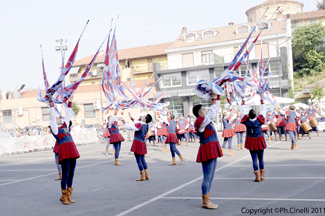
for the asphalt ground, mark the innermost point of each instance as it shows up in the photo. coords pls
(295, 181)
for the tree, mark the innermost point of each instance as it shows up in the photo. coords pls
(317, 92)
(307, 59)
(75, 108)
(321, 5)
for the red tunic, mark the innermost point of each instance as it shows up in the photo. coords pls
(115, 134)
(138, 145)
(254, 136)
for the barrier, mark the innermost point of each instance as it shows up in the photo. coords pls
(9, 145)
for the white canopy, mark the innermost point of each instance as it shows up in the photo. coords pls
(256, 100)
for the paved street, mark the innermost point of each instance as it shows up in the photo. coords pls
(293, 179)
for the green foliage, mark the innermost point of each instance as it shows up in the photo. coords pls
(307, 59)
(223, 100)
(317, 92)
(321, 5)
(302, 82)
(75, 108)
(291, 94)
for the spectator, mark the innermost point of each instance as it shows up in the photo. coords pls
(35, 131)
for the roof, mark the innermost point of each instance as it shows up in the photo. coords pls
(272, 2)
(130, 53)
(308, 15)
(228, 33)
(321, 83)
(94, 88)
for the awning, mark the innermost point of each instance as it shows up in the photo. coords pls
(256, 100)
(167, 94)
(302, 95)
(74, 70)
(185, 92)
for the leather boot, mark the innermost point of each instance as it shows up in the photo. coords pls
(262, 174)
(173, 162)
(106, 152)
(206, 203)
(165, 149)
(286, 137)
(113, 153)
(317, 133)
(279, 138)
(230, 154)
(146, 174)
(187, 143)
(296, 138)
(295, 146)
(302, 137)
(182, 159)
(142, 176)
(257, 177)
(309, 135)
(238, 146)
(59, 178)
(223, 150)
(241, 146)
(276, 138)
(117, 163)
(292, 146)
(270, 139)
(149, 143)
(181, 143)
(70, 194)
(64, 197)
(159, 145)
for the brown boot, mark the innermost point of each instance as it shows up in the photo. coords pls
(165, 149)
(173, 162)
(276, 138)
(241, 146)
(309, 135)
(230, 154)
(262, 174)
(181, 158)
(187, 143)
(317, 133)
(206, 203)
(113, 153)
(270, 139)
(149, 143)
(69, 195)
(286, 137)
(279, 138)
(117, 163)
(59, 178)
(64, 197)
(181, 143)
(223, 150)
(257, 177)
(106, 152)
(238, 146)
(292, 146)
(302, 137)
(296, 138)
(295, 146)
(142, 176)
(159, 145)
(146, 174)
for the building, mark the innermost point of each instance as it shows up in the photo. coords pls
(205, 54)
(306, 18)
(135, 64)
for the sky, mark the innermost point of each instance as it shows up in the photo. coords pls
(25, 25)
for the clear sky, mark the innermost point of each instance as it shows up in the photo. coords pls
(27, 24)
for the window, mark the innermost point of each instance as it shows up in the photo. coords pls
(194, 76)
(218, 71)
(236, 49)
(263, 25)
(89, 111)
(207, 57)
(274, 67)
(241, 70)
(126, 64)
(208, 34)
(188, 60)
(176, 106)
(170, 80)
(242, 29)
(294, 24)
(312, 21)
(265, 47)
(45, 113)
(190, 37)
(275, 92)
(7, 116)
(128, 79)
(197, 100)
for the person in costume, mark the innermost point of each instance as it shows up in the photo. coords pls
(266, 129)
(164, 133)
(281, 123)
(303, 119)
(172, 139)
(312, 113)
(297, 121)
(182, 126)
(116, 138)
(192, 131)
(239, 129)
(159, 130)
(209, 149)
(228, 132)
(151, 134)
(291, 126)
(139, 147)
(67, 152)
(255, 141)
(272, 118)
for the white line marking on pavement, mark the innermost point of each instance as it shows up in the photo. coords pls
(300, 156)
(25, 161)
(283, 165)
(273, 178)
(33, 170)
(8, 180)
(257, 199)
(178, 188)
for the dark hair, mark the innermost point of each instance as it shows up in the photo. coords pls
(196, 109)
(148, 118)
(70, 123)
(252, 114)
(172, 117)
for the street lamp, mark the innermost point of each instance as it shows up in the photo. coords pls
(277, 46)
(61, 49)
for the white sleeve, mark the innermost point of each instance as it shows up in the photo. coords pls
(53, 123)
(212, 113)
(111, 121)
(263, 110)
(164, 118)
(282, 112)
(297, 114)
(68, 116)
(131, 127)
(243, 109)
(233, 117)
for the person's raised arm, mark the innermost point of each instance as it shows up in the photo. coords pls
(263, 107)
(135, 127)
(212, 113)
(53, 123)
(68, 115)
(243, 107)
(113, 118)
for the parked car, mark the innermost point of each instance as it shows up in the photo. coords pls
(321, 124)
